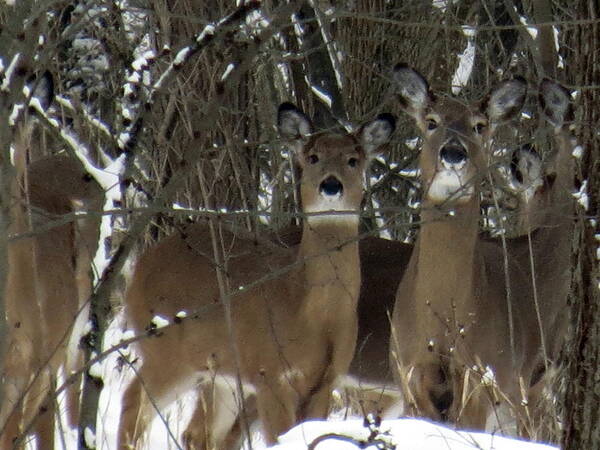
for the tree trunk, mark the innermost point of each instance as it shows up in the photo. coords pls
(582, 394)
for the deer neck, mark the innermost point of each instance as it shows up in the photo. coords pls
(330, 266)
(446, 255)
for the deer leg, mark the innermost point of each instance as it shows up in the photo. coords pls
(75, 355)
(129, 431)
(44, 416)
(277, 403)
(73, 364)
(14, 415)
(140, 401)
(17, 372)
(198, 432)
(217, 419)
(241, 427)
(471, 400)
(371, 399)
(317, 405)
(73, 392)
(532, 417)
(430, 391)
(217, 422)
(152, 389)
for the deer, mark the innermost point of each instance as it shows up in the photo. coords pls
(450, 320)
(544, 211)
(546, 204)
(49, 277)
(295, 333)
(543, 253)
(548, 217)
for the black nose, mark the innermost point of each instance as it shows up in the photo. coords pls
(453, 154)
(331, 186)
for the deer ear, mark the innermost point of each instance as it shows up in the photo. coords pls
(506, 100)
(43, 90)
(526, 167)
(414, 94)
(375, 134)
(555, 103)
(292, 123)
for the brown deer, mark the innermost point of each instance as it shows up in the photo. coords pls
(295, 333)
(449, 315)
(544, 254)
(544, 211)
(548, 217)
(370, 382)
(49, 278)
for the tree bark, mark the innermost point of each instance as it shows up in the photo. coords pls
(582, 394)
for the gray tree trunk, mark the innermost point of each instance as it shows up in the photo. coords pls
(582, 415)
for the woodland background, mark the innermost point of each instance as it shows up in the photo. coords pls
(204, 138)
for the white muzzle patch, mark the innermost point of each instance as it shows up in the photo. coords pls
(450, 184)
(337, 204)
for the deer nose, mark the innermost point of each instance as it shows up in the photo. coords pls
(331, 186)
(453, 153)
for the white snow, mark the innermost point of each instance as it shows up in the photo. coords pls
(123, 139)
(560, 63)
(109, 180)
(159, 321)
(440, 4)
(412, 143)
(181, 56)
(321, 94)
(581, 196)
(14, 114)
(95, 371)
(142, 62)
(257, 21)
(89, 438)
(464, 69)
(410, 434)
(531, 30)
(208, 29)
(228, 70)
(384, 232)
(134, 77)
(410, 173)
(9, 72)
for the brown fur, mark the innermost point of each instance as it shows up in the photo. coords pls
(295, 332)
(450, 312)
(49, 278)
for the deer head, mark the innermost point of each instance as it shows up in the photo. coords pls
(332, 165)
(456, 135)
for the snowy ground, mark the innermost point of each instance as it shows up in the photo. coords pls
(410, 434)
(406, 434)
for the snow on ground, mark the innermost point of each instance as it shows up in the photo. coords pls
(409, 434)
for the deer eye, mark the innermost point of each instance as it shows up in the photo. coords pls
(352, 162)
(479, 127)
(313, 159)
(431, 124)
